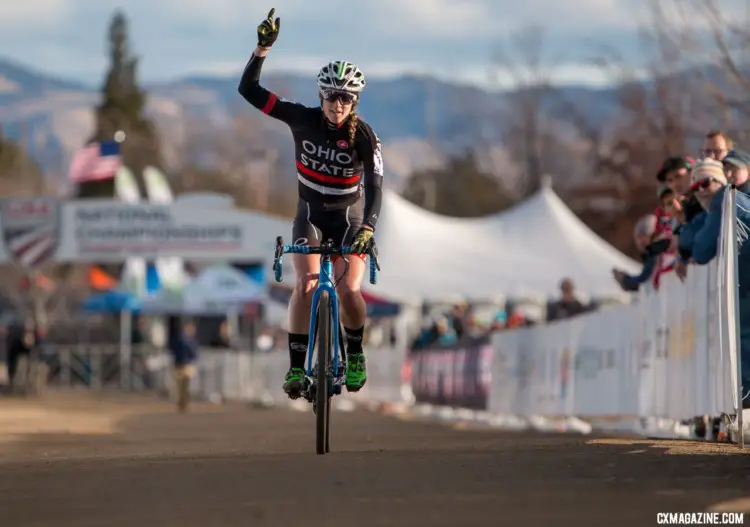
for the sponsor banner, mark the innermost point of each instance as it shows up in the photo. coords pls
(457, 375)
(664, 356)
(36, 230)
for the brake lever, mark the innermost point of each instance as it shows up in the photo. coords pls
(374, 254)
(278, 252)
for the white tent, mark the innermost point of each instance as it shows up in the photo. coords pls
(524, 251)
(217, 290)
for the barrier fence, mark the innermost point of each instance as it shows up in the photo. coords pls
(221, 375)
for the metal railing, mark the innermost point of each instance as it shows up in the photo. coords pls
(221, 374)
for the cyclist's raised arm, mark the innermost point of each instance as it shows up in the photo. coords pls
(370, 151)
(263, 99)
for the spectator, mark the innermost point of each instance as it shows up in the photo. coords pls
(458, 319)
(672, 208)
(675, 174)
(737, 169)
(472, 326)
(700, 238)
(445, 333)
(221, 337)
(666, 208)
(516, 319)
(21, 340)
(642, 235)
(716, 145)
(184, 350)
(499, 321)
(651, 243)
(440, 333)
(568, 305)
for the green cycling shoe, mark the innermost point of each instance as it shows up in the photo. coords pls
(294, 383)
(356, 371)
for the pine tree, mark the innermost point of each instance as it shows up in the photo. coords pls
(123, 108)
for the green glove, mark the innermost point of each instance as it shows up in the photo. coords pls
(361, 242)
(268, 30)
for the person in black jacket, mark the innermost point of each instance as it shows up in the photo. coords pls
(184, 349)
(340, 172)
(21, 340)
(568, 305)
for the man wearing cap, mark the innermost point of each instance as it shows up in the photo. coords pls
(699, 241)
(675, 174)
(737, 170)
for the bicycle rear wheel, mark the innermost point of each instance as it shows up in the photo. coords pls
(322, 399)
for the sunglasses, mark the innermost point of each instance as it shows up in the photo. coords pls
(333, 96)
(703, 184)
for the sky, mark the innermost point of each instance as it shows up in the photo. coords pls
(452, 39)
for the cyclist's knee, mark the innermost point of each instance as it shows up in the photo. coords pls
(305, 285)
(349, 296)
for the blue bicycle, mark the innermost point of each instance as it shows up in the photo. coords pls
(327, 377)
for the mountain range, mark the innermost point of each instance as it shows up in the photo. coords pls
(419, 120)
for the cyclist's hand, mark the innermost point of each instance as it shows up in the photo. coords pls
(361, 242)
(268, 30)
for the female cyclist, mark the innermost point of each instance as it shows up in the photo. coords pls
(340, 173)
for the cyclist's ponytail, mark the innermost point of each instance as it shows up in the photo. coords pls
(353, 121)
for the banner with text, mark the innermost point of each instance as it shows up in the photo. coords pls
(41, 229)
(663, 356)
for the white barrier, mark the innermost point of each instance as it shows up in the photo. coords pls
(672, 355)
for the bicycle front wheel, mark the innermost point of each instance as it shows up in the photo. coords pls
(322, 399)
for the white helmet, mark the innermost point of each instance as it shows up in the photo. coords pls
(341, 75)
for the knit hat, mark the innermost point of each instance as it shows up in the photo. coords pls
(708, 168)
(674, 163)
(737, 158)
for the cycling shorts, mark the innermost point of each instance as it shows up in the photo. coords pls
(314, 224)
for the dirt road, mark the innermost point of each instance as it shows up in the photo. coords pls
(71, 461)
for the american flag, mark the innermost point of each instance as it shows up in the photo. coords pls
(96, 162)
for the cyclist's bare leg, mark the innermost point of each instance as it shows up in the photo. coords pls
(349, 290)
(306, 268)
(353, 316)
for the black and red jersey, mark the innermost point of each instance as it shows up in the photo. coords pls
(331, 172)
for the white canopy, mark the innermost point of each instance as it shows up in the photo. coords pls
(524, 251)
(217, 290)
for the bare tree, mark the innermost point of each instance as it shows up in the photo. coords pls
(730, 36)
(236, 158)
(663, 108)
(533, 140)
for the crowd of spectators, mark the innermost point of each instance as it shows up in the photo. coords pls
(685, 228)
(463, 321)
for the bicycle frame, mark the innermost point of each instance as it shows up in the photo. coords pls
(325, 283)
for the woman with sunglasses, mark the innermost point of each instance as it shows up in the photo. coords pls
(339, 173)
